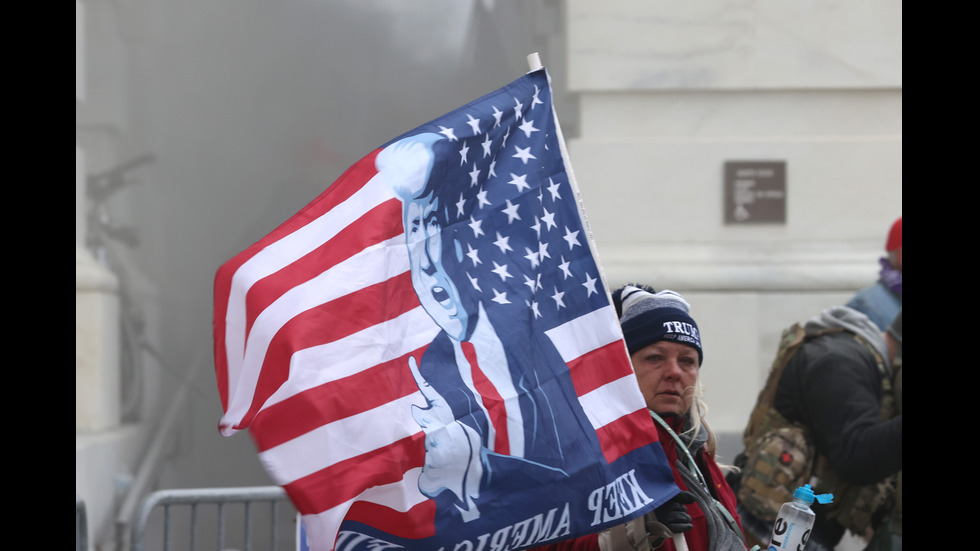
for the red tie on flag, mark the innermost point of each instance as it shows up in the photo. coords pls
(347, 340)
(491, 400)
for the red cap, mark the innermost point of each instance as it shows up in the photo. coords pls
(894, 236)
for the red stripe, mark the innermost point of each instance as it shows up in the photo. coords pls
(375, 226)
(341, 190)
(602, 366)
(626, 434)
(326, 323)
(599, 367)
(345, 480)
(491, 400)
(416, 523)
(333, 401)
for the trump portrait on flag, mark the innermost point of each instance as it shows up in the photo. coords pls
(426, 355)
(493, 403)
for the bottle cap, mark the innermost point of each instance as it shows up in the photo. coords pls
(805, 493)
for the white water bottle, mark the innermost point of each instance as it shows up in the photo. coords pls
(792, 528)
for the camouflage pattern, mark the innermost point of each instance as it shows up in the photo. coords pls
(761, 420)
(895, 518)
(780, 456)
(776, 464)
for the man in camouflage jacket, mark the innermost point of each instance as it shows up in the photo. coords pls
(838, 385)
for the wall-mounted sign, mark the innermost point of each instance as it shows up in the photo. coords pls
(755, 192)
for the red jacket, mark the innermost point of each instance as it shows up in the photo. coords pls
(697, 537)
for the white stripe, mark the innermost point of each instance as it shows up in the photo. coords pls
(400, 496)
(363, 350)
(321, 448)
(322, 529)
(277, 256)
(586, 333)
(612, 401)
(344, 278)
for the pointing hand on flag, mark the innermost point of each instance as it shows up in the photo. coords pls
(452, 449)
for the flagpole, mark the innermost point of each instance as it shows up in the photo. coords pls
(534, 64)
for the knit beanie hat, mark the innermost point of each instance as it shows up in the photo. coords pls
(894, 241)
(648, 317)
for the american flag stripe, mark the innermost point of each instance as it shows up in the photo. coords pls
(356, 353)
(501, 416)
(308, 302)
(413, 523)
(343, 279)
(262, 256)
(349, 478)
(604, 405)
(585, 333)
(409, 513)
(616, 409)
(586, 379)
(331, 401)
(337, 318)
(292, 241)
(229, 274)
(609, 395)
(396, 446)
(625, 434)
(374, 227)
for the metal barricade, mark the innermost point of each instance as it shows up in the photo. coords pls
(186, 512)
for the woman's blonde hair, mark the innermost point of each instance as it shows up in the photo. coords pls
(696, 414)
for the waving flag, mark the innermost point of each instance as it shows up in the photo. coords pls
(426, 356)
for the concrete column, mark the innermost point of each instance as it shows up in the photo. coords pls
(96, 345)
